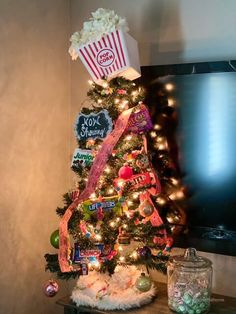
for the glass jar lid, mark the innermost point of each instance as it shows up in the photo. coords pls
(190, 259)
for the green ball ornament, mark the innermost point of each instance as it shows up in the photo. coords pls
(54, 239)
(143, 283)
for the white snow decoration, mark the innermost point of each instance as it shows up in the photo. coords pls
(117, 292)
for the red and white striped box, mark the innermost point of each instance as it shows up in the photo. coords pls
(115, 54)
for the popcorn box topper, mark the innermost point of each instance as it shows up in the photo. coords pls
(115, 54)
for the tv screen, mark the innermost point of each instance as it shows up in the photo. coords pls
(206, 137)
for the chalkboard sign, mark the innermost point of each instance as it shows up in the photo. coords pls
(93, 125)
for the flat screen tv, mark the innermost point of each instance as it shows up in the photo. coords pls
(205, 98)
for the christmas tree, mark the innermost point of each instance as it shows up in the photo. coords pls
(118, 215)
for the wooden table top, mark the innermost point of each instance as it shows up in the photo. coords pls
(219, 305)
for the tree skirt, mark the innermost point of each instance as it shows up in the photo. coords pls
(116, 292)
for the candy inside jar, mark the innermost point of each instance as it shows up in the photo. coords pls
(189, 283)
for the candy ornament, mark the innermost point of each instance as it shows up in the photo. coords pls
(125, 172)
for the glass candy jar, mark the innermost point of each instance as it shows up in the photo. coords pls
(189, 283)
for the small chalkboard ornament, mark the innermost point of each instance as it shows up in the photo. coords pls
(93, 126)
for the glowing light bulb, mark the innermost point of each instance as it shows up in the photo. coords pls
(107, 169)
(112, 224)
(160, 201)
(93, 196)
(90, 82)
(110, 191)
(125, 226)
(116, 101)
(130, 203)
(98, 237)
(135, 195)
(105, 85)
(171, 102)
(157, 127)
(153, 134)
(170, 219)
(174, 181)
(99, 101)
(118, 219)
(169, 87)
(122, 259)
(160, 139)
(120, 183)
(134, 255)
(120, 248)
(179, 194)
(128, 137)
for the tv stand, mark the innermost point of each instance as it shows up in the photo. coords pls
(219, 305)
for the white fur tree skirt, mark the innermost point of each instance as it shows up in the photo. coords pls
(116, 292)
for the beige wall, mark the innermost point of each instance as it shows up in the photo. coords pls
(34, 146)
(170, 31)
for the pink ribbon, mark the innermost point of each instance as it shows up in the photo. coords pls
(94, 175)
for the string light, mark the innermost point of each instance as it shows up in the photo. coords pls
(107, 169)
(112, 224)
(134, 255)
(90, 82)
(171, 102)
(130, 203)
(116, 101)
(98, 237)
(157, 127)
(128, 137)
(105, 85)
(170, 219)
(120, 183)
(125, 226)
(99, 101)
(169, 87)
(134, 93)
(93, 196)
(110, 191)
(118, 219)
(174, 181)
(120, 248)
(128, 214)
(153, 134)
(160, 200)
(135, 195)
(176, 195)
(122, 259)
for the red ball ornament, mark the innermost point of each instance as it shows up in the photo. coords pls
(50, 288)
(125, 172)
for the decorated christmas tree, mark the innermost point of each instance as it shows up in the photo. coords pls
(114, 223)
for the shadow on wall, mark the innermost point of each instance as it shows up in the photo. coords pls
(161, 39)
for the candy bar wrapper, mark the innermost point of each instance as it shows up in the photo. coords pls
(83, 157)
(108, 203)
(140, 120)
(115, 54)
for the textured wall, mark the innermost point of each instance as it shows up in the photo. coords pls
(34, 145)
(170, 31)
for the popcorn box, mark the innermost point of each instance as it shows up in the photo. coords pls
(115, 54)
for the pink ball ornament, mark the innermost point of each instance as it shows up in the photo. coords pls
(50, 288)
(125, 172)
